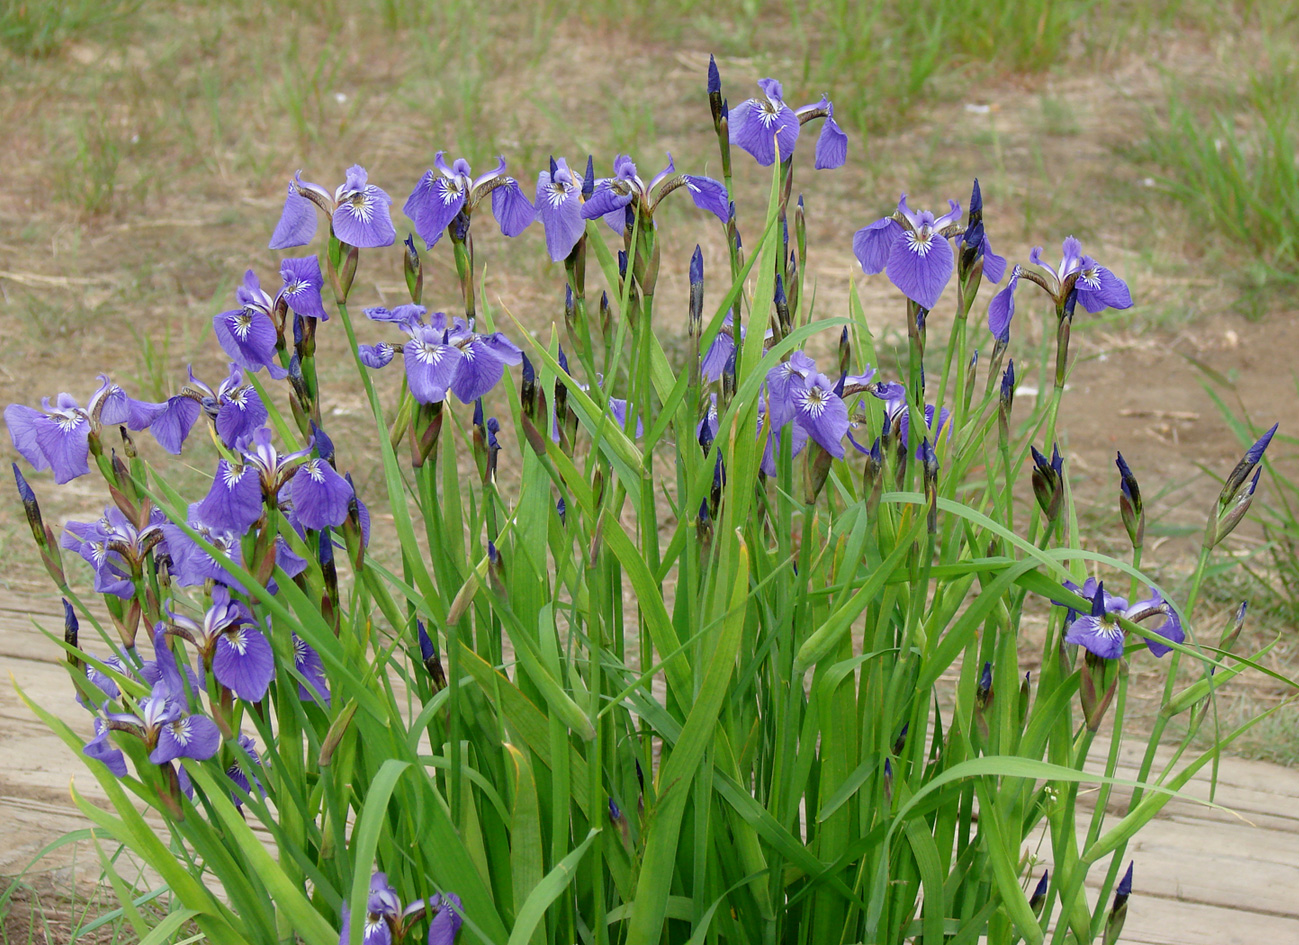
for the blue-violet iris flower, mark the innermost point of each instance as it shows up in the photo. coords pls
(1099, 631)
(559, 208)
(57, 437)
(439, 197)
(442, 356)
(358, 212)
(913, 248)
(612, 195)
(761, 125)
(231, 645)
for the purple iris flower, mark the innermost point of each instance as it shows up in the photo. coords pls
(239, 776)
(913, 248)
(1099, 631)
(273, 468)
(247, 333)
(798, 392)
(115, 548)
(309, 664)
(101, 749)
(190, 563)
(896, 411)
(612, 195)
(235, 409)
(358, 213)
(168, 730)
(447, 918)
(303, 282)
(386, 921)
(761, 125)
(441, 356)
(230, 644)
(320, 495)
(1098, 287)
(559, 208)
(720, 351)
(772, 436)
(57, 437)
(376, 356)
(439, 197)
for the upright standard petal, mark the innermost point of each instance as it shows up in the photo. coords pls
(241, 412)
(873, 244)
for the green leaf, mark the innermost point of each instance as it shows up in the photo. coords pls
(547, 891)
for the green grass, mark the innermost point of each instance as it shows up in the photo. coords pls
(1229, 155)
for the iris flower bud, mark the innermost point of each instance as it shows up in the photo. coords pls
(1036, 900)
(413, 270)
(1134, 519)
(1048, 482)
(1119, 910)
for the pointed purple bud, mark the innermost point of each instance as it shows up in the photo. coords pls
(697, 266)
(561, 509)
(1124, 889)
(554, 168)
(1255, 452)
(714, 77)
(588, 179)
(71, 629)
(1008, 384)
(323, 444)
(1036, 900)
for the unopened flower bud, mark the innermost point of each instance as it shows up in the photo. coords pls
(1119, 910)
(1036, 901)
(30, 506)
(1048, 482)
(414, 270)
(714, 92)
(929, 461)
(696, 293)
(588, 179)
(1134, 518)
(71, 627)
(528, 389)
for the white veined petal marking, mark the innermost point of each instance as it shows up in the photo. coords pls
(238, 640)
(556, 194)
(1092, 277)
(428, 353)
(361, 205)
(314, 470)
(813, 400)
(920, 241)
(180, 730)
(241, 324)
(232, 475)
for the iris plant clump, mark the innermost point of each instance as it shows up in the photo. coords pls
(648, 653)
